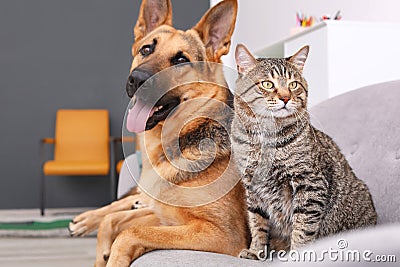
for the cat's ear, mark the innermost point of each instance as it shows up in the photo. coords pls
(299, 59)
(244, 59)
(216, 28)
(153, 13)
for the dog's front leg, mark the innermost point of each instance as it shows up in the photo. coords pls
(135, 241)
(114, 223)
(89, 221)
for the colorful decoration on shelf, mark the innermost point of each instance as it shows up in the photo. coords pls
(303, 20)
(338, 16)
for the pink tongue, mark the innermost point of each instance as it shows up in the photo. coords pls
(138, 116)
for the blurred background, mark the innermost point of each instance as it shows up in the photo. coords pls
(76, 54)
(59, 54)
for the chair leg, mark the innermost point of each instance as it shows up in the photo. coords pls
(42, 178)
(113, 183)
(42, 193)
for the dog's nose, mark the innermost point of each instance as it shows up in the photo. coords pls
(135, 80)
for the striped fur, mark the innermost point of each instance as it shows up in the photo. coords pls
(299, 185)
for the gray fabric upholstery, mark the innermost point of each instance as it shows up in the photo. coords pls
(179, 258)
(366, 125)
(380, 241)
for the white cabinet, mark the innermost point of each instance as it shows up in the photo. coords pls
(344, 56)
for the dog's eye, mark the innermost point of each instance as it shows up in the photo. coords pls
(148, 49)
(179, 58)
(145, 50)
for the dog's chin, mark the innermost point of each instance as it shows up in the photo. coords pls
(163, 110)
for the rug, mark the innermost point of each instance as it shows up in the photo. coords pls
(29, 223)
(56, 228)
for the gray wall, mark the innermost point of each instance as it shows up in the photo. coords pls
(63, 54)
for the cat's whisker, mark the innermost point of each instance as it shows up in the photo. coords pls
(298, 118)
(307, 121)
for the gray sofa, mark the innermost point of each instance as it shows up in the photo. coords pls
(366, 125)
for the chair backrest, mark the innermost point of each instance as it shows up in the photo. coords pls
(82, 135)
(365, 124)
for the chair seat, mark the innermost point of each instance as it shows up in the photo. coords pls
(119, 165)
(76, 168)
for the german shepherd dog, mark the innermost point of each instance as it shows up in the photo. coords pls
(173, 216)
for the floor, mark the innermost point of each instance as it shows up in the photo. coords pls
(45, 252)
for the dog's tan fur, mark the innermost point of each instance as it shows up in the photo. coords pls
(220, 226)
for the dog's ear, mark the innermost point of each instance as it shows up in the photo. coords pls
(153, 13)
(245, 61)
(216, 27)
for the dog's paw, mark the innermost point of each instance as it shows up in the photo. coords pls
(77, 229)
(106, 256)
(103, 251)
(84, 224)
(101, 262)
(138, 205)
(248, 254)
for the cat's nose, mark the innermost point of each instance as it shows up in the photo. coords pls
(285, 99)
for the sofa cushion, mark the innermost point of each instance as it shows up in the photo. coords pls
(188, 258)
(365, 123)
(378, 240)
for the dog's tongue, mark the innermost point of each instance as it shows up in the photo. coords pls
(138, 116)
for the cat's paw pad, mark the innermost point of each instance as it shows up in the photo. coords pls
(248, 254)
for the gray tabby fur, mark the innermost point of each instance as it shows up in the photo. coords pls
(299, 185)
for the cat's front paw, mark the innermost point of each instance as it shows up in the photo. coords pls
(248, 254)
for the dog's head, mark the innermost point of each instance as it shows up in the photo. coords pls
(158, 46)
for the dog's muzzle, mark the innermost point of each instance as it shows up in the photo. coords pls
(135, 80)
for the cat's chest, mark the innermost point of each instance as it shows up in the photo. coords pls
(272, 184)
(270, 191)
(276, 200)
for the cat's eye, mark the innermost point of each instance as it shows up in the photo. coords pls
(292, 85)
(267, 85)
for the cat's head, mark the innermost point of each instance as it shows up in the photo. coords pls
(272, 86)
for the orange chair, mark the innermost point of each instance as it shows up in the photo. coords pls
(126, 139)
(119, 165)
(81, 147)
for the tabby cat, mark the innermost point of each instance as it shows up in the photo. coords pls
(299, 185)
